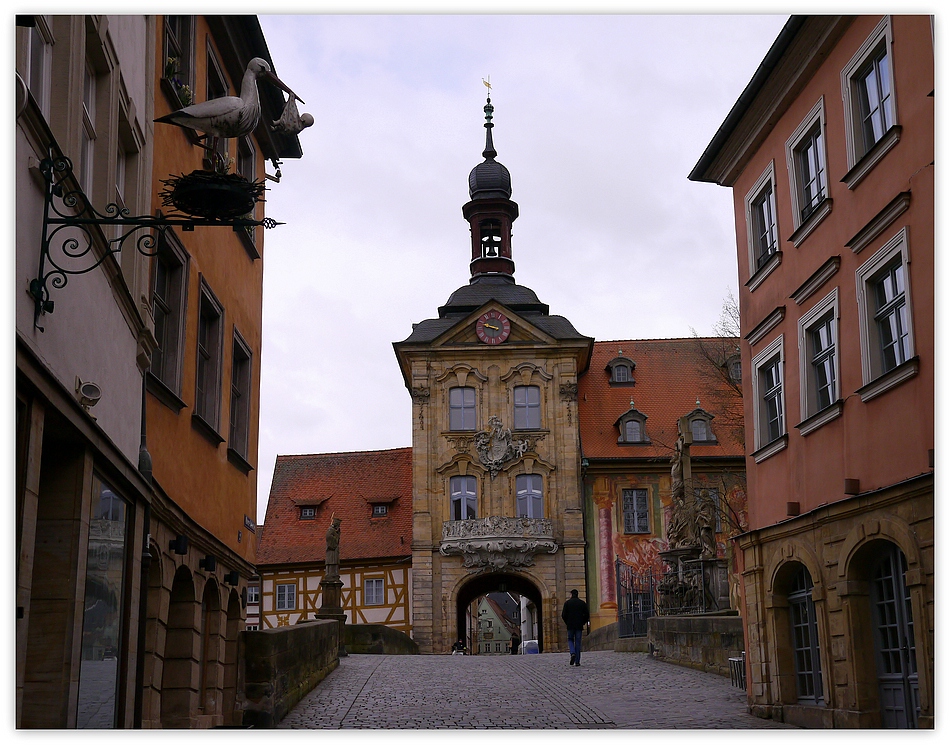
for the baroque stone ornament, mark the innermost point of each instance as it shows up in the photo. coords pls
(496, 447)
(420, 394)
(497, 543)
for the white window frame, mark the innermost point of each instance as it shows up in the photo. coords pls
(529, 492)
(253, 594)
(765, 182)
(527, 413)
(462, 415)
(765, 448)
(461, 496)
(808, 385)
(710, 436)
(87, 160)
(374, 591)
(380, 510)
(308, 513)
(872, 369)
(815, 118)
(881, 38)
(39, 61)
(636, 494)
(285, 597)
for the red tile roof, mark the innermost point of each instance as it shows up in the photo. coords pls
(345, 485)
(670, 375)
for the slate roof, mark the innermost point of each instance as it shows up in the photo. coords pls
(670, 375)
(344, 484)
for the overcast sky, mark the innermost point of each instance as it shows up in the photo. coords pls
(599, 119)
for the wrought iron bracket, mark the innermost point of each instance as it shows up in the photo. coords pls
(70, 245)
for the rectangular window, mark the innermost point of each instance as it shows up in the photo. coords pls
(253, 594)
(103, 607)
(38, 57)
(870, 113)
(818, 358)
(240, 408)
(380, 510)
(217, 87)
(464, 499)
(208, 368)
(636, 511)
(462, 408)
(88, 151)
(529, 496)
(168, 310)
(769, 397)
(252, 627)
(807, 171)
(179, 51)
(810, 171)
(286, 596)
(770, 375)
(374, 592)
(762, 226)
(527, 408)
(884, 311)
(307, 514)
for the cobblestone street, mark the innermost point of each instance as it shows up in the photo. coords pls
(609, 690)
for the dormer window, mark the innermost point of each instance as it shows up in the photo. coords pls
(380, 511)
(734, 369)
(632, 426)
(621, 370)
(491, 238)
(308, 513)
(700, 425)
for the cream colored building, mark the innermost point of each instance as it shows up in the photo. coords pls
(495, 441)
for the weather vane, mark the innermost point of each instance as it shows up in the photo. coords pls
(487, 83)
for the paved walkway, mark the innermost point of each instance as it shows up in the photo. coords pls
(609, 690)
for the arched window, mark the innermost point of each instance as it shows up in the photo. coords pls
(700, 429)
(490, 238)
(530, 498)
(801, 609)
(633, 431)
(464, 499)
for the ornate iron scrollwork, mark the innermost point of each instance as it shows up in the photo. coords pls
(71, 246)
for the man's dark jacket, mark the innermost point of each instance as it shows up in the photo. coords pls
(575, 613)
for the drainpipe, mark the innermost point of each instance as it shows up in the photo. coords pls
(145, 469)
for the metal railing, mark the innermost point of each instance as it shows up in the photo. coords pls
(690, 589)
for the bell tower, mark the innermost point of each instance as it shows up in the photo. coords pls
(490, 212)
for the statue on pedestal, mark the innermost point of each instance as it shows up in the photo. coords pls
(706, 520)
(681, 529)
(333, 549)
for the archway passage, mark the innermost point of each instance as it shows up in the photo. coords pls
(500, 582)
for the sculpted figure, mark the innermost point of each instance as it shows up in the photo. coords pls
(679, 532)
(706, 518)
(333, 547)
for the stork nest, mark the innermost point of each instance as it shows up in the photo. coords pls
(213, 196)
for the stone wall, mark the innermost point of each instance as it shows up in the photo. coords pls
(377, 639)
(282, 665)
(702, 641)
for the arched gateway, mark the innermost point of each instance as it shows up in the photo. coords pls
(495, 439)
(499, 582)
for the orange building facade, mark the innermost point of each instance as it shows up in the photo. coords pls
(203, 383)
(829, 153)
(629, 403)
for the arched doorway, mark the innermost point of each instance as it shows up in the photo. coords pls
(179, 674)
(481, 585)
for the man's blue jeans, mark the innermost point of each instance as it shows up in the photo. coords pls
(574, 643)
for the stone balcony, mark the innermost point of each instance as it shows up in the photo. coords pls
(497, 543)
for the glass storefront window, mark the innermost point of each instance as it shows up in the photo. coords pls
(102, 610)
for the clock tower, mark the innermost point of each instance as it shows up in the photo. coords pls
(497, 501)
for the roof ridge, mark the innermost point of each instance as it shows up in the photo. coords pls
(342, 453)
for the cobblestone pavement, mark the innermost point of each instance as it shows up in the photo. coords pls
(609, 690)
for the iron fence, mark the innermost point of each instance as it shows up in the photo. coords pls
(692, 588)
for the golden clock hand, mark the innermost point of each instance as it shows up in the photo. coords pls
(489, 326)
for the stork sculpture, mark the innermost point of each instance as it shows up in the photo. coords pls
(228, 116)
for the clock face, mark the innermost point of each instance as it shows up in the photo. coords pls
(492, 328)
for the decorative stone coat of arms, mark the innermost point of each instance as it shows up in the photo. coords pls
(496, 447)
(497, 543)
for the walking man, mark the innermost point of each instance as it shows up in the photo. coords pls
(575, 615)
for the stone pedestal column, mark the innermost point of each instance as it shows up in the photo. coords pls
(331, 608)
